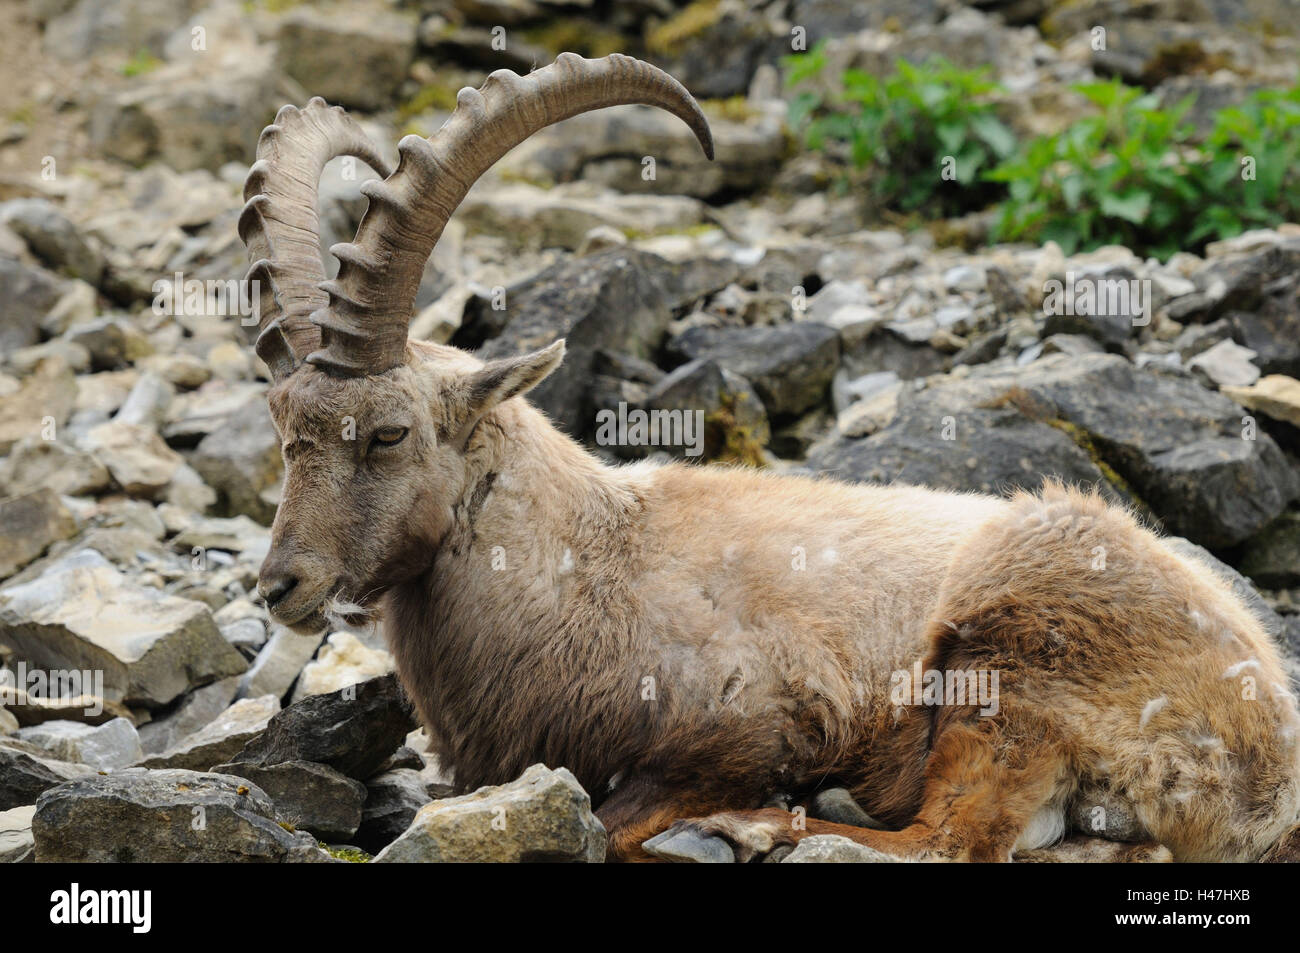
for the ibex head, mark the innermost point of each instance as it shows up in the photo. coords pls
(374, 427)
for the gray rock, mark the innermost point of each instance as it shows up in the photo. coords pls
(240, 459)
(716, 50)
(1273, 331)
(823, 18)
(221, 739)
(833, 849)
(312, 797)
(941, 437)
(43, 400)
(16, 843)
(77, 304)
(53, 238)
(543, 816)
(893, 347)
(195, 710)
(149, 646)
(1225, 364)
(248, 635)
(235, 534)
(847, 390)
(1191, 468)
(83, 28)
(29, 294)
(114, 744)
(112, 342)
(392, 801)
(34, 463)
(376, 43)
(25, 772)
(139, 461)
(352, 730)
(29, 524)
(790, 366)
(832, 297)
(1195, 468)
(620, 300)
(558, 218)
(476, 47)
(54, 700)
(172, 816)
(1272, 557)
(146, 405)
(1098, 314)
(191, 120)
(279, 663)
(735, 421)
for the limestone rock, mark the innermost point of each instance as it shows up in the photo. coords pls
(543, 816)
(221, 739)
(170, 816)
(150, 646)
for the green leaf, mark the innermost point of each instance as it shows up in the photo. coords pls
(994, 135)
(1131, 207)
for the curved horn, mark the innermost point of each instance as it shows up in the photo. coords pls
(363, 329)
(280, 228)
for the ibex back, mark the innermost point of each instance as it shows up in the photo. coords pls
(693, 642)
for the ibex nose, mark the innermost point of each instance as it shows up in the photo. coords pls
(275, 590)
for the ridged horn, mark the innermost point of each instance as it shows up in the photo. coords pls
(364, 326)
(280, 228)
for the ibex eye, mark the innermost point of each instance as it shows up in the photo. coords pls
(389, 436)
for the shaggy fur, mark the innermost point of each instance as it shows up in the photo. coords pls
(690, 641)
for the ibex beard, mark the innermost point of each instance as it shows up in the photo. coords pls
(694, 643)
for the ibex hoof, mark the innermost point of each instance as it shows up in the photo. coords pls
(838, 806)
(686, 846)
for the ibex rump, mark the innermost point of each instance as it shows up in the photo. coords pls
(693, 641)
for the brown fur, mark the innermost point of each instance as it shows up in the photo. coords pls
(692, 640)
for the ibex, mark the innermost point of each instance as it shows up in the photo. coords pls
(694, 642)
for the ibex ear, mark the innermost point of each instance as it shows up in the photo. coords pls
(499, 380)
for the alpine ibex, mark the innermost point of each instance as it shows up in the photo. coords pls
(647, 627)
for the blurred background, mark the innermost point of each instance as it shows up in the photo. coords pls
(968, 245)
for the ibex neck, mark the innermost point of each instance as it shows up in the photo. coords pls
(517, 607)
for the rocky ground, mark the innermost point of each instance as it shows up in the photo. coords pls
(139, 471)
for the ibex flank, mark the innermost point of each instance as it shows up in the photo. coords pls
(649, 626)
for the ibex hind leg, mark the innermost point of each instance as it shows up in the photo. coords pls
(988, 783)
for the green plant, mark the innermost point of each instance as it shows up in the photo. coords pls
(1252, 177)
(142, 62)
(925, 133)
(1134, 174)
(1124, 175)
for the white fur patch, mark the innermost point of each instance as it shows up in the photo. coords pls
(1151, 709)
(336, 610)
(1047, 826)
(1234, 670)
